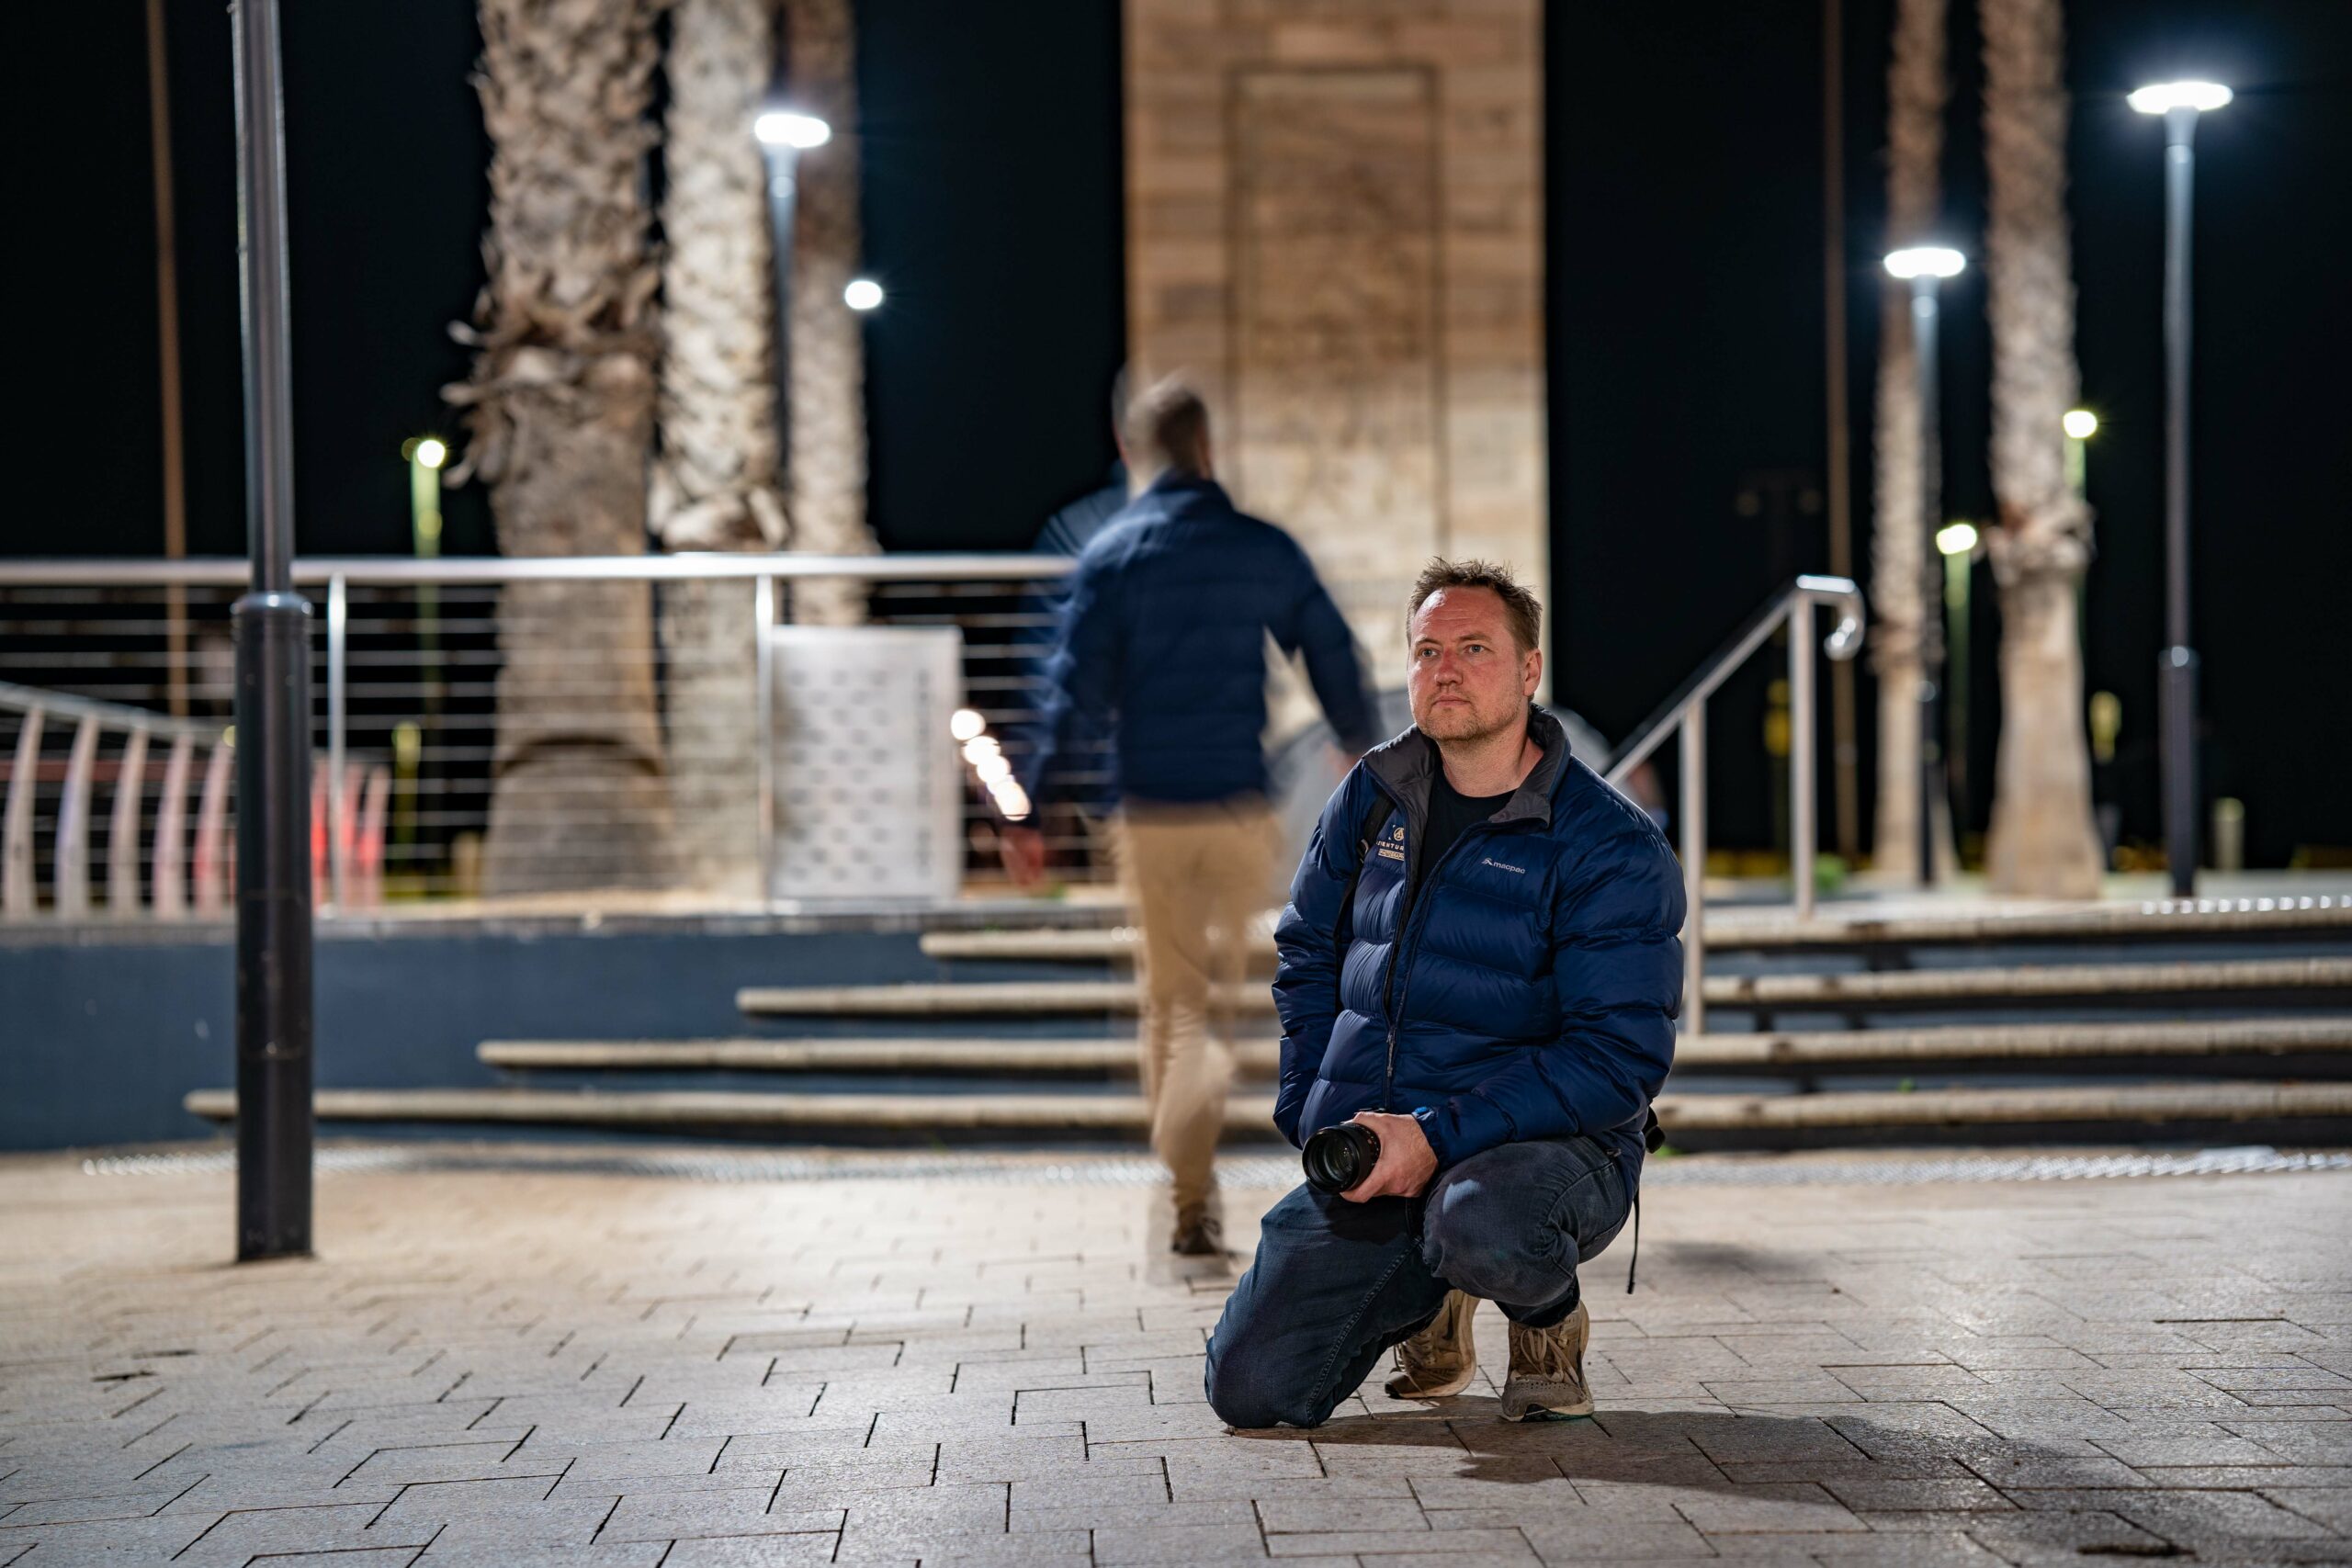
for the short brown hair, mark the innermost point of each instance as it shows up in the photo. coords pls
(1522, 608)
(1167, 426)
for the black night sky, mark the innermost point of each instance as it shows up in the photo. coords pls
(1684, 193)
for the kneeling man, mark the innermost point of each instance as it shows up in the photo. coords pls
(1480, 963)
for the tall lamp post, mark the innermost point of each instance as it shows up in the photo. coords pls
(1925, 267)
(1956, 542)
(273, 634)
(784, 134)
(2179, 103)
(2080, 425)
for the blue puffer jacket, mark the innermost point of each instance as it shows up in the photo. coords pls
(1527, 990)
(1164, 639)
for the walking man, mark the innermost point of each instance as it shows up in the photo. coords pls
(1162, 644)
(1479, 963)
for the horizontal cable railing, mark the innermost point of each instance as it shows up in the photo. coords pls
(637, 704)
(624, 691)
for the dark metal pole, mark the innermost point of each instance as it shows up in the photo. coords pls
(2176, 666)
(1931, 584)
(784, 173)
(1844, 751)
(273, 632)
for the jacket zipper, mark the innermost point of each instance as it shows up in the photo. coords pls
(1395, 1006)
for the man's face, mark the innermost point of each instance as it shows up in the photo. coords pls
(1467, 679)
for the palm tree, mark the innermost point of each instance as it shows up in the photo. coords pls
(828, 354)
(561, 412)
(1916, 89)
(715, 484)
(2043, 839)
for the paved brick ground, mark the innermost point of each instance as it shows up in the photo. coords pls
(499, 1368)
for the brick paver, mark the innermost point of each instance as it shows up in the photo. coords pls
(501, 1366)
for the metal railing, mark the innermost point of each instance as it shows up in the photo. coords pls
(408, 660)
(1686, 712)
(70, 824)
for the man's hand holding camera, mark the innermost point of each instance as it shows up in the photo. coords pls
(1407, 1162)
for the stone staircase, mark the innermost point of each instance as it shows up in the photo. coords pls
(2110, 1024)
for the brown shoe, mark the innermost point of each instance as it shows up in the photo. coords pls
(1547, 1370)
(1199, 1233)
(1439, 1360)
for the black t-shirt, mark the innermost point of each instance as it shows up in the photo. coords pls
(1450, 811)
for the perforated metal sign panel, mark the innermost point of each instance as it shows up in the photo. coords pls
(867, 794)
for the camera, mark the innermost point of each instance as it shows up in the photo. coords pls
(1339, 1157)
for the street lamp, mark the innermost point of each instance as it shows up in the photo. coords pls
(861, 294)
(2080, 425)
(274, 1128)
(1956, 542)
(790, 127)
(427, 456)
(1924, 268)
(2179, 103)
(783, 135)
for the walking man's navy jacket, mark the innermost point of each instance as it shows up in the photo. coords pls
(1527, 990)
(1166, 630)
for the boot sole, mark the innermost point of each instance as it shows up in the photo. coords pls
(1447, 1392)
(1551, 1414)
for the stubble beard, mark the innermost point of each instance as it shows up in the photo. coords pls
(1467, 726)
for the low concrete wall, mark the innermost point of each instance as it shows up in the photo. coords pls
(101, 1034)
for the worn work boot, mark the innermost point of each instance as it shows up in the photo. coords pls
(1547, 1370)
(1199, 1233)
(1441, 1360)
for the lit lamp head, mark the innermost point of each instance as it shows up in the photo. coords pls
(430, 451)
(1926, 260)
(790, 127)
(1956, 539)
(2081, 423)
(2163, 98)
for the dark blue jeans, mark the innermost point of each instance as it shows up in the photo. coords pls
(1335, 1284)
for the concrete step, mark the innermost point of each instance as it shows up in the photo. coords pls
(2145, 1104)
(979, 1057)
(946, 998)
(976, 1056)
(1833, 992)
(2028, 982)
(1743, 929)
(687, 1109)
(2034, 1043)
(2134, 1105)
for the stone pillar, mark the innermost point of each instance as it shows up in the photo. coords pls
(1335, 227)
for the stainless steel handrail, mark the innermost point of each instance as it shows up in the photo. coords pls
(219, 571)
(110, 715)
(70, 871)
(1686, 711)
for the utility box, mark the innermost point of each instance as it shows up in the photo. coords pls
(863, 792)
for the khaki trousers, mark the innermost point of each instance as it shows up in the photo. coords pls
(1195, 876)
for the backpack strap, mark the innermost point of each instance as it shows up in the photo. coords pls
(1653, 1139)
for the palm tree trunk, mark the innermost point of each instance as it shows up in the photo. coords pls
(1916, 89)
(828, 350)
(715, 481)
(561, 418)
(2042, 840)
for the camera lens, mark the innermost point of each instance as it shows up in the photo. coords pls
(1339, 1157)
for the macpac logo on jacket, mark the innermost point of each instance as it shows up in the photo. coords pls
(1526, 990)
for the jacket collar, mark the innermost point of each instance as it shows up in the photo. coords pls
(1407, 767)
(1174, 491)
